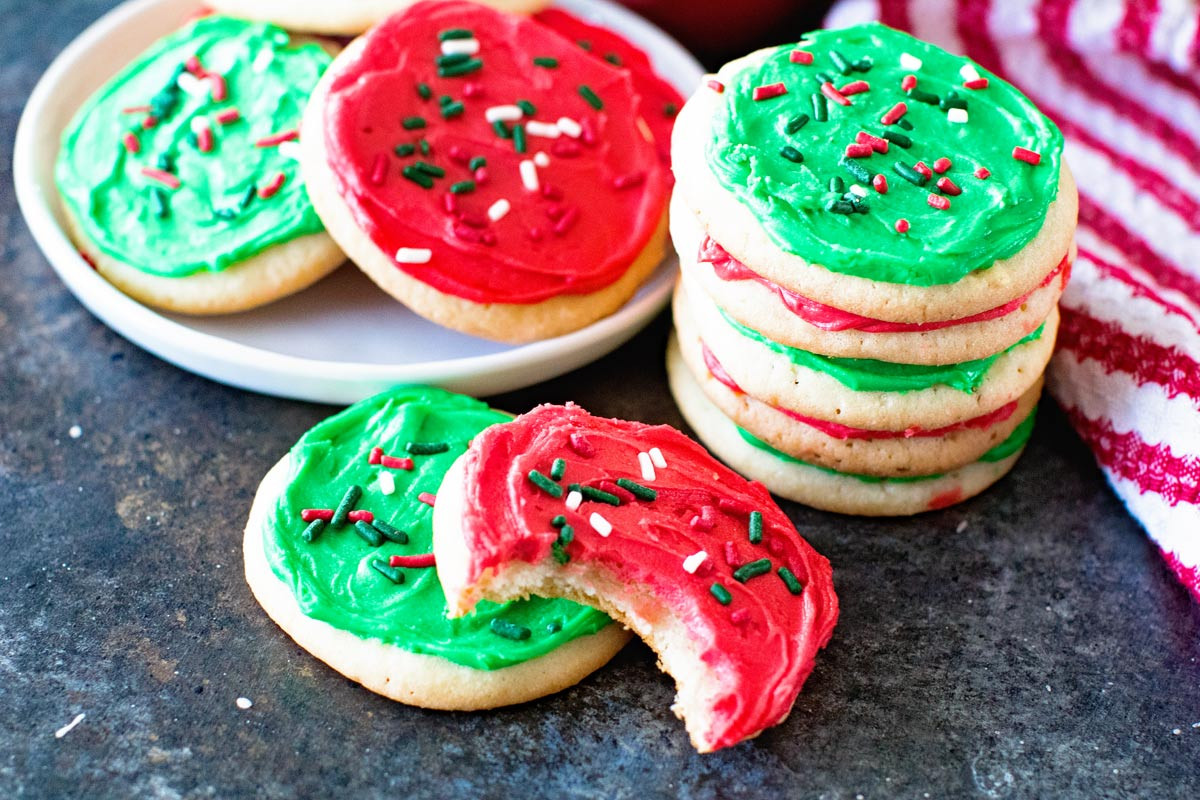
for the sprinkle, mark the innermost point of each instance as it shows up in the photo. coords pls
(545, 484)
(453, 109)
(368, 533)
(800, 57)
(70, 726)
(227, 116)
(540, 159)
(501, 129)
(413, 255)
(566, 533)
(509, 113)
(150, 122)
(637, 490)
(413, 562)
(902, 225)
(161, 209)
(352, 495)
(796, 123)
(768, 91)
(647, 466)
(983, 173)
(277, 139)
(417, 176)
(529, 175)
(452, 47)
(656, 457)
(558, 469)
(752, 570)
(859, 191)
(581, 445)
(391, 462)
(136, 110)
(313, 531)
(922, 168)
(968, 72)
(1026, 155)
(905, 124)
(833, 94)
(364, 516)
(426, 448)
(791, 154)
(894, 114)
(412, 123)
(391, 573)
(721, 593)
(545, 61)
(458, 69)
(840, 61)
(427, 498)
(859, 172)
(387, 484)
(509, 630)
(715, 85)
(404, 150)
(957, 115)
(574, 500)
(455, 33)
(756, 527)
(597, 495)
(219, 89)
(309, 514)
(132, 144)
(498, 209)
(423, 145)
(859, 150)
(880, 183)
(379, 170)
(591, 97)
(910, 62)
(462, 187)
(558, 521)
(789, 579)
(948, 187)
(262, 60)
(569, 126)
(943, 164)
(391, 534)
(855, 87)
(544, 129)
(599, 524)
(162, 176)
(693, 562)
(423, 91)
(629, 180)
(978, 83)
(898, 139)
(272, 187)
(938, 201)
(820, 108)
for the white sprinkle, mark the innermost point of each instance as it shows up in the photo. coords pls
(290, 150)
(910, 62)
(657, 457)
(387, 484)
(962, 526)
(541, 159)
(70, 726)
(503, 113)
(452, 47)
(647, 466)
(1177, 731)
(969, 72)
(198, 124)
(570, 127)
(192, 85)
(859, 190)
(544, 129)
(573, 500)
(693, 562)
(498, 209)
(262, 60)
(75, 432)
(244, 702)
(599, 524)
(414, 255)
(529, 176)
(958, 115)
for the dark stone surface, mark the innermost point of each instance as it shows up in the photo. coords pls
(1043, 651)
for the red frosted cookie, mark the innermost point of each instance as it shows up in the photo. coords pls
(489, 172)
(643, 523)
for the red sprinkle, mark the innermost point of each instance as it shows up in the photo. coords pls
(473, 89)
(1027, 155)
(833, 94)
(450, 203)
(902, 225)
(801, 57)
(938, 201)
(581, 445)
(629, 180)
(923, 168)
(391, 462)
(360, 516)
(427, 498)
(740, 616)
(162, 176)
(880, 183)
(908, 82)
(132, 144)
(309, 514)
(481, 176)
(566, 222)
(551, 192)
(730, 554)
(564, 147)
(276, 139)
(983, 173)
(379, 169)
(192, 65)
(375, 454)
(716, 86)
(473, 219)
(855, 87)
(150, 122)
(204, 140)
(876, 143)
(767, 91)
(228, 116)
(535, 234)
(219, 89)
(858, 150)
(949, 187)
(412, 562)
(136, 110)
(978, 83)
(272, 187)
(894, 114)
(729, 505)
(941, 165)
(459, 155)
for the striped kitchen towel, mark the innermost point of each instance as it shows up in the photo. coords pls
(1122, 80)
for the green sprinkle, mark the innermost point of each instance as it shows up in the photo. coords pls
(585, 44)
(837, 185)
(598, 495)
(502, 130)
(905, 124)
(247, 197)
(391, 534)
(455, 33)
(794, 586)
(820, 108)
(864, 64)
(791, 154)
(417, 176)
(313, 531)
(444, 99)
(558, 521)
(462, 187)
(796, 123)
(457, 70)
(433, 171)
(412, 123)
(721, 593)
(613, 59)
(393, 574)
(554, 626)
(909, 174)
(426, 448)
(922, 96)
(756, 527)
(424, 146)
(518, 136)
(224, 213)
(558, 469)
(424, 91)
(860, 173)
(529, 109)
(752, 570)
(368, 533)
(591, 97)
(476, 163)
(823, 77)
(346, 506)
(566, 535)
(838, 206)
(454, 109)
(452, 59)
(545, 484)
(166, 162)
(670, 110)
(545, 61)
(898, 139)
(637, 490)
(952, 100)
(560, 553)
(509, 630)
(403, 150)
(840, 61)
(158, 203)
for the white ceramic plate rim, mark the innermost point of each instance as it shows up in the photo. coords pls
(281, 374)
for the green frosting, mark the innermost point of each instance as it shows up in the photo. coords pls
(214, 220)
(1010, 446)
(333, 578)
(992, 219)
(869, 375)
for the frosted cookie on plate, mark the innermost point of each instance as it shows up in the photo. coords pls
(344, 17)
(338, 551)
(486, 171)
(180, 178)
(641, 522)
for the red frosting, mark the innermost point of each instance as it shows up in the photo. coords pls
(760, 646)
(599, 199)
(828, 318)
(838, 431)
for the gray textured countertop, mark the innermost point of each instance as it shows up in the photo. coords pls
(1043, 651)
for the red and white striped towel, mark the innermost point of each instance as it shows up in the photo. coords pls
(1122, 80)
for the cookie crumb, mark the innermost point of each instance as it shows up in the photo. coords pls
(244, 703)
(70, 726)
(75, 432)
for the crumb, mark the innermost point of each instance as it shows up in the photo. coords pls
(244, 703)
(962, 526)
(65, 729)
(75, 432)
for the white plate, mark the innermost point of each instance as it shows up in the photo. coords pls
(338, 341)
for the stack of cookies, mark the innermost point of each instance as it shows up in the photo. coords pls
(874, 235)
